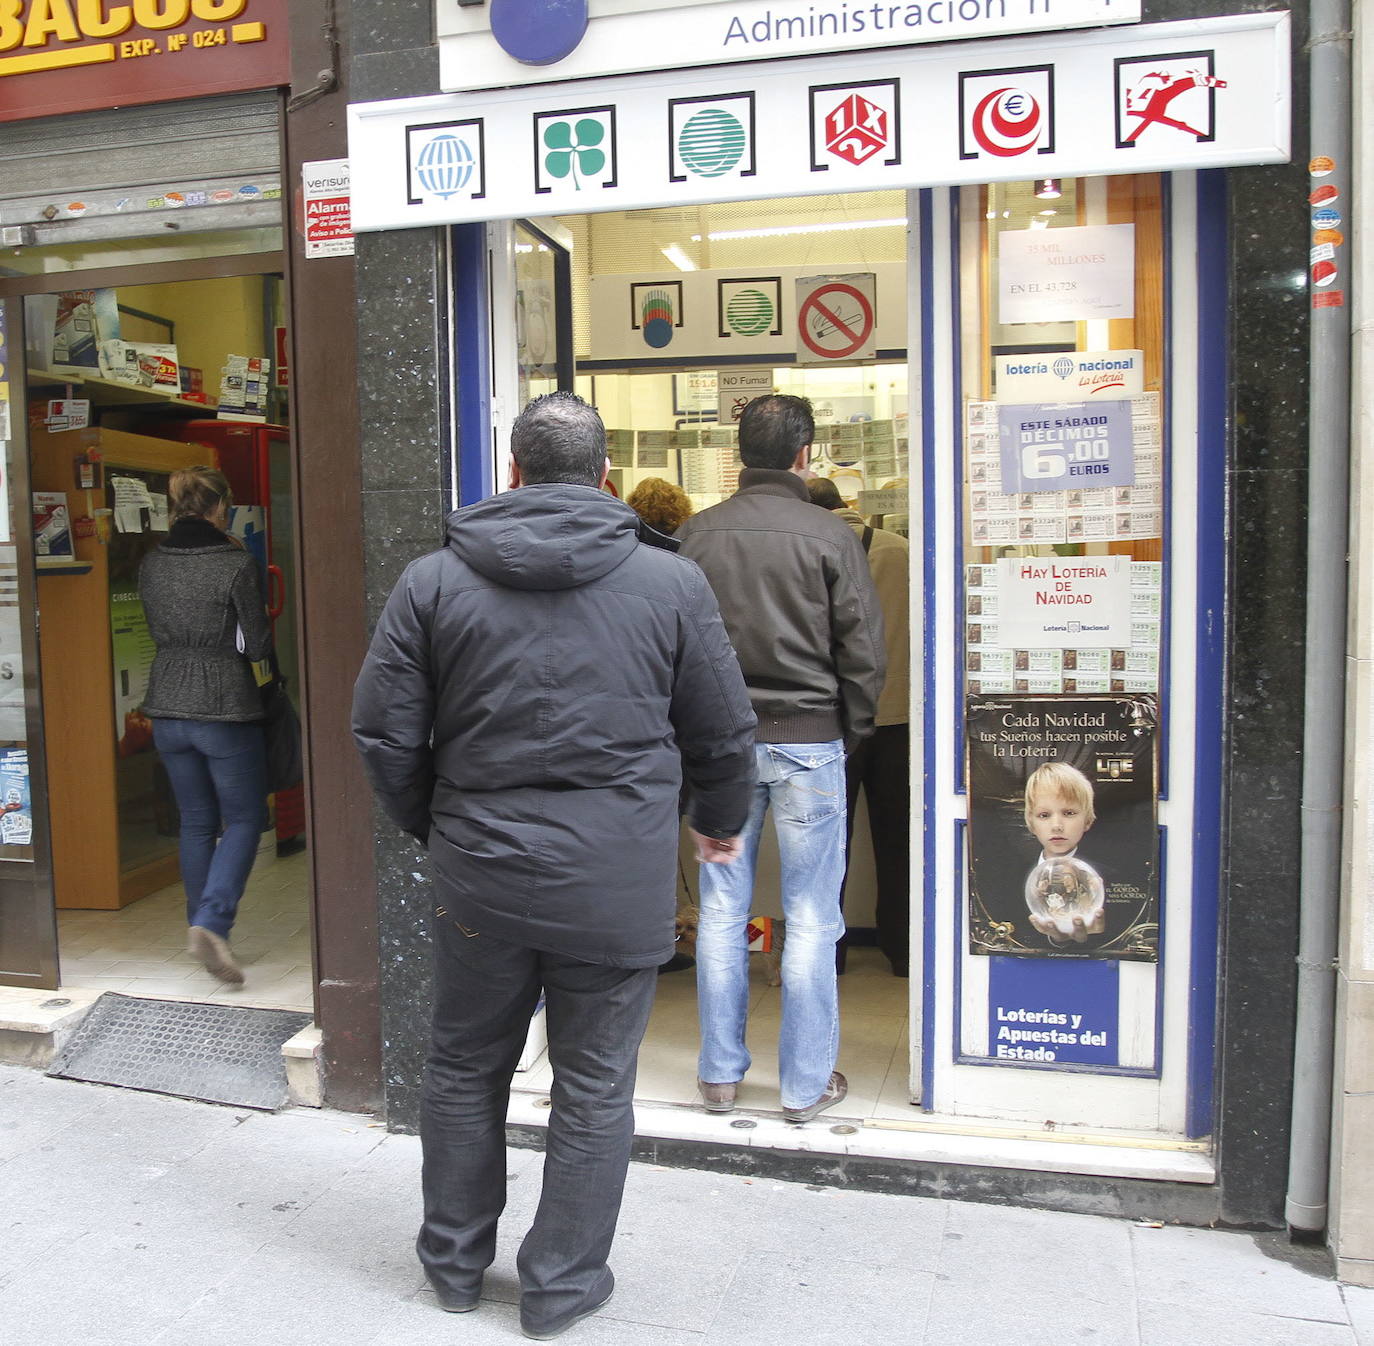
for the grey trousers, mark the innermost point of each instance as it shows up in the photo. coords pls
(485, 992)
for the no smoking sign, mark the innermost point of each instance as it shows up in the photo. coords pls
(836, 318)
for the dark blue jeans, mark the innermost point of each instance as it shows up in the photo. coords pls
(219, 777)
(484, 994)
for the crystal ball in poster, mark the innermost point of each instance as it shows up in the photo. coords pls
(1062, 887)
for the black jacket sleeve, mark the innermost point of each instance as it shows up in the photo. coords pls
(393, 706)
(712, 719)
(856, 636)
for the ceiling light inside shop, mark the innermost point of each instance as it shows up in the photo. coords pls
(779, 231)
(673, 252)
(1049, 189)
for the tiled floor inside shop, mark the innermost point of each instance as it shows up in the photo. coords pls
(874, 1046)
(141, 950)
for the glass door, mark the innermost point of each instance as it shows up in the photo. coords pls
(28, 926)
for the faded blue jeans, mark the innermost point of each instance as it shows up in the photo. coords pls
(218, 771)
(804, 783)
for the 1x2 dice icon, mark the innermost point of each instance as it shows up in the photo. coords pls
(856, 129)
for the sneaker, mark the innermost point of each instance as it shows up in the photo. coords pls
(561, 1325)
(834, 1091)
(213, 950)
(718, 1097)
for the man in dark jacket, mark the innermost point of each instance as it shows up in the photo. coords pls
(534, 693)
(798, 601)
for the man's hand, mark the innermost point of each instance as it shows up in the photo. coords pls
(716, 850)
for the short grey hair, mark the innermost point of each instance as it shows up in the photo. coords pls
(559, 438)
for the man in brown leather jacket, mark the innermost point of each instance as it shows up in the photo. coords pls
(798, 601)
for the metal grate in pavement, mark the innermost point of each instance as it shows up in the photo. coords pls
(215, 1053)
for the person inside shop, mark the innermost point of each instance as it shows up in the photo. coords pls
(880, 765)
(1065, 894)
(203, 597)
(532, 698)
(798, 601)
(663, 505)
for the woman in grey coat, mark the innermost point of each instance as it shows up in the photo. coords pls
(201, 592)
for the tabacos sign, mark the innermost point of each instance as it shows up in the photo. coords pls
(76, 55)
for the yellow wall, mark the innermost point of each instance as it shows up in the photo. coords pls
(214, 318)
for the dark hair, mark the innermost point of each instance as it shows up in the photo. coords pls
(559, 438)
(774, 429)
(661, 504)
(193, 492)
(825, 493)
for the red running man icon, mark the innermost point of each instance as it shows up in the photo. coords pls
(1150, 98)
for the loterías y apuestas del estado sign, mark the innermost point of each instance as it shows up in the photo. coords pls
(76, 55)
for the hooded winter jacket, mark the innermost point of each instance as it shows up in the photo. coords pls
(533, 695)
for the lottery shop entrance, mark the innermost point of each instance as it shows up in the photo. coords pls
(915, 323)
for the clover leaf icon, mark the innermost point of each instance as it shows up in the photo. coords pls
(573, 148)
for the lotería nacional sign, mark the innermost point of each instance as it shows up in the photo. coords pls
(76, 55)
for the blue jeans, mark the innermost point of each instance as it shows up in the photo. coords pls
(219, 777)
(804, 783)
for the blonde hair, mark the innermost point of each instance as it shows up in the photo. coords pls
(194, 492)
(1066, 781)
(661, 504)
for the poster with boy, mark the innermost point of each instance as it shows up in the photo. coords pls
(1063, 846)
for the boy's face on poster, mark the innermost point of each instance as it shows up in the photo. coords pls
(1057, 822)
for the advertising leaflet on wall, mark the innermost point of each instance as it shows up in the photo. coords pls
(1063, 844)
(869, 121)
(1066, 275)
(61, 56)
(4, 413)
(52, 526)
(1002, 516)
(995, 661)
(1055, 447)
(1070, 376)
(327, 208)
(476, 51)
(133, 650)
(16, 804)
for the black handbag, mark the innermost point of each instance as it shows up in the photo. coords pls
(281, 727)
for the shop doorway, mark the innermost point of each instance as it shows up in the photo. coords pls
(118, 377)
(666, 321)
(1061, 296)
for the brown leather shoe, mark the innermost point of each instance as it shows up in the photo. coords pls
(718, 1097)
(213, 950)
(834, 1091)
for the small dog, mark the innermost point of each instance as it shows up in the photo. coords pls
(772, 935)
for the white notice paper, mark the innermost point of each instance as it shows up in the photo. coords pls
(1064, 602)
(131, 499)
(1066, 275)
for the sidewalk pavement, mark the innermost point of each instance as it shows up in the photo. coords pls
(127, 1219)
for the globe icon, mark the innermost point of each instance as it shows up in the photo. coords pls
(445, 165)
(712, 142)
(749, 312)
(1063, 366)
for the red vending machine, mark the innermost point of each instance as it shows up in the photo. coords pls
(257, 461)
